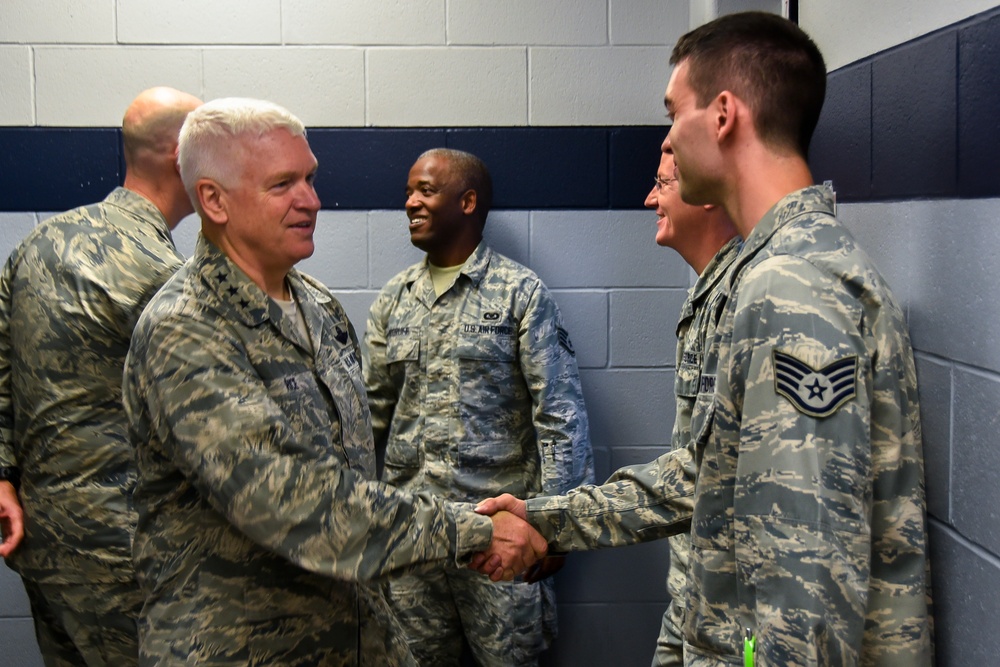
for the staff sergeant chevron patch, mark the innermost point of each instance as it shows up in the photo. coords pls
(566, 342)
(817, 393)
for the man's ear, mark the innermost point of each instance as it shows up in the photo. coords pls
(724, 108)
(469, 201)
(213, 202)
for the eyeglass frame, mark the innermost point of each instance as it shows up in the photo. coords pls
(661, 183)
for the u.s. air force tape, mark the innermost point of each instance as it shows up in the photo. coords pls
(815, 392)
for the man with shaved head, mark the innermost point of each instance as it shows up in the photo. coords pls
(70, 295)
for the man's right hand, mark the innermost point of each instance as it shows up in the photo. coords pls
(516, 547)
(507, 503)
(11, 519)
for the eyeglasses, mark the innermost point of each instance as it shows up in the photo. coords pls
(660, 183)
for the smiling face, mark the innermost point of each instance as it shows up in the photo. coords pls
(271, 210)
(677, 221)
(440, 209)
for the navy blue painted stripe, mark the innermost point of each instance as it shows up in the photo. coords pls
(51, 169)
(915, 121)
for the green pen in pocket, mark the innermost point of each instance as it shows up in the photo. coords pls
(749, 648)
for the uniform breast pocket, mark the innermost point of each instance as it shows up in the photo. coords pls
(711, 524)
(491, 387)
(402, 357)
(402, 350)
(301, 403)
(702, 419)
(486, 362)
(688, 375)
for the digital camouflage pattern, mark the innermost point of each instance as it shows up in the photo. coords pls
(808, 530)
(440, 610)
(475, 393)
(695, 330)
(70, 295)
(84, 624)
(260, 531)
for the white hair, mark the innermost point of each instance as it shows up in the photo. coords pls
(208, 146)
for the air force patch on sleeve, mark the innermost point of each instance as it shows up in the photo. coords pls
(817, 393)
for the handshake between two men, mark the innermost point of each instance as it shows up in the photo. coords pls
(517, 547)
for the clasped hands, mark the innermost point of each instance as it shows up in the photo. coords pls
(517, 547)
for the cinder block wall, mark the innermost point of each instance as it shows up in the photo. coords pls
(543, 90)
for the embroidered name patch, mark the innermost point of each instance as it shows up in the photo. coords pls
(815, 392)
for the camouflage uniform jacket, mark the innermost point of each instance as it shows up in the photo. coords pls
(476, 392)
(808, 524)
(255, 462)
(70, 295)
(695, 330)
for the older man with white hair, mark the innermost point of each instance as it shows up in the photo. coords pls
(260, 523)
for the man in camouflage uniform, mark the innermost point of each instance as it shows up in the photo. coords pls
(808, 533)
(474, 391)
(259, 523)
(70, 295)
(705, 238)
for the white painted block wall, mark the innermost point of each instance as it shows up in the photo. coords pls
(351, 63)
(848, 30)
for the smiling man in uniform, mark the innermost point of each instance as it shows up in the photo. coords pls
(474, 391)
(260, 524)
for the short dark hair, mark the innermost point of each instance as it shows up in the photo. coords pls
(473, 173)
(769, 63)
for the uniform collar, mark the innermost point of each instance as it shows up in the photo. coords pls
(716, 268)
(135, 203)
(479, 261)
(420, 283)
(813, 199)
(233, 287)
(714, 272)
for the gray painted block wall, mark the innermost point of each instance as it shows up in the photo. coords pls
(940, 258)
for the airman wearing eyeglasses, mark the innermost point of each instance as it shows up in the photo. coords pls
(706, 239)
